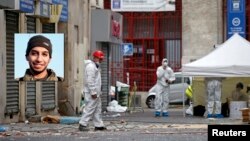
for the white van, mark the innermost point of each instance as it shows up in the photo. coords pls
(176, 91)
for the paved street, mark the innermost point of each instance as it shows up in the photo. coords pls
(136, 126)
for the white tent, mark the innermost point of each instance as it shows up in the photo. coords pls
(230, 59)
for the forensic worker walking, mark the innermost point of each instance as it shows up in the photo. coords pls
(165, 76)
(92, 93)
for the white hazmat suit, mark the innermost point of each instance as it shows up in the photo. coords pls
(93, 107)
(214, 97)
(165, 76)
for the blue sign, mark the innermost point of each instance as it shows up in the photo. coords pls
(236, 18)
(44, 9)
(116, 4)
(64, 14)
(26, 6)
(127, 49)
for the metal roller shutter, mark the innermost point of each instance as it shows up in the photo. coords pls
(48, 88)
(48, 28)
(30, 85)
(48, 95)
(105, 77)
(31, 99)
(12, 93)
(31, 24)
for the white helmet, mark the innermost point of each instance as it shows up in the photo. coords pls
(164, 62)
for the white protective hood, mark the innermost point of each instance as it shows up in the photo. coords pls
(230, 59)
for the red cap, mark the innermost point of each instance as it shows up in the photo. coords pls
(98, 54)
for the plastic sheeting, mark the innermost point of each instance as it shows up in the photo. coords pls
(115, 107)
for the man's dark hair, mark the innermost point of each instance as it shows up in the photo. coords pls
(240, 85)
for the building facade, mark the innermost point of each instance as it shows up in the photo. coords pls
(21, 100)
(183, 35)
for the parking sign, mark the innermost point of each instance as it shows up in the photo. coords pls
(127, 49)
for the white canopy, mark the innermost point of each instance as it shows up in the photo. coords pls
(230, 59)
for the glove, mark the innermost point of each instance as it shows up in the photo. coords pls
(168, 81)
(94, 96)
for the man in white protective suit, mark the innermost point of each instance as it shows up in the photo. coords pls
(165, 76)
(92, 93)
(213, 85)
